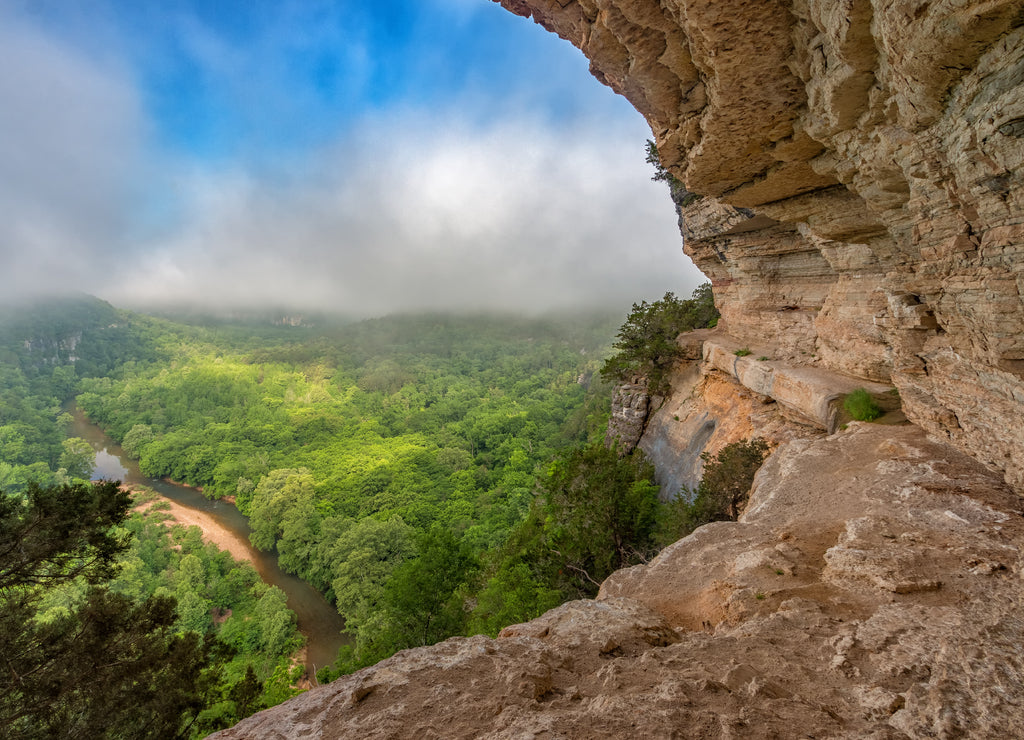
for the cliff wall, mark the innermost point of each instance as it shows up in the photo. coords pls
(861, 167)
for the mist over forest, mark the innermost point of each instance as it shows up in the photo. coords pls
(323, 160)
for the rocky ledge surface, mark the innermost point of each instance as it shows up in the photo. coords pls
(872, 589)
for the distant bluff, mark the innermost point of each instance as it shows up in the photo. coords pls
(862, 171)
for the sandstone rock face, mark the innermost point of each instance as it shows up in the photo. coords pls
(812, 395)
(707, 411)
(724, 391)
(872, 589)
(861, 163)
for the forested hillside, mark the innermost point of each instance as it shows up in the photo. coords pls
(80, 642)
(435, 420)
(44, 349)
(431, 475)
(368, 455)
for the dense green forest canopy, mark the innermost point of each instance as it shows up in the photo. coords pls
(115, 625)
(74, 666)
(361, 452)
(157, 585)
(431, 475)
(365, 452)
(430, 419)
(45, 348)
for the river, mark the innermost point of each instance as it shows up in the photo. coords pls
(318, 621)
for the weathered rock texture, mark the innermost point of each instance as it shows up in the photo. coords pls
(725, 391)
(706, 410)
(862, 167)
(631, 407)
(872, 590)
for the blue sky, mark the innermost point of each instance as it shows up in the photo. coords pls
(361, 156)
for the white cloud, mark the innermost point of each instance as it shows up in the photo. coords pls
(71, 132)
(483, 204)
(417, 212)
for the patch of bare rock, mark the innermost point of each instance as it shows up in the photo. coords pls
(872, 589)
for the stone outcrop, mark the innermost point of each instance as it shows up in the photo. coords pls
(724, 391)
(811, 395)
(631, 407)
(861, 167)
(873, 588)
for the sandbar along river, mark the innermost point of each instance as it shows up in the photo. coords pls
(318, 621)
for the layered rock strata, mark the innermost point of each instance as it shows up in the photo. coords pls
(724, 391)
(872, 589)
(811, 395)
(861, 163)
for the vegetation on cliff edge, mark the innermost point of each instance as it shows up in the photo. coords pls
(646, 347)
(722, 493)
(108, 665)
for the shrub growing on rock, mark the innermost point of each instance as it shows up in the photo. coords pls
(722, 493)
(861, 406)
(680, 195)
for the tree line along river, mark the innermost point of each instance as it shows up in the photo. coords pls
(318, 621)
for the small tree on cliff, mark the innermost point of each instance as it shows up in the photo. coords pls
(722, 493)
(680, 195)
(600, 514)
(646, 345)
(728, 476)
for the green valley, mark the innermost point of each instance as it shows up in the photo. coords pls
(431, 475)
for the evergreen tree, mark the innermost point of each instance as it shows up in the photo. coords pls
(722, 493)
(646, 346)
(600, 513)
(107, 667)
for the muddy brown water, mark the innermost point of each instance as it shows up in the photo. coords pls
(318, 621)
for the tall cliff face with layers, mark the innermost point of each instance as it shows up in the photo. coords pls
(861, 215)
(861, 167)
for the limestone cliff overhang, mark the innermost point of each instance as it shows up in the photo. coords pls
(860, 163)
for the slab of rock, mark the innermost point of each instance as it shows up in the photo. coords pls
(873, 588)
(631, 405)
(815, 395)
